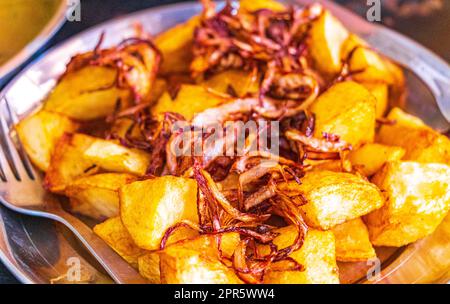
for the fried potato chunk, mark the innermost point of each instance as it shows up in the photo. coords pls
(422, 144)
(117, 237)
(97, 196)
(417, 200)
(238, 81)
(67, 162)
(381, 93)
(149, 264)
(327, 37)
(352, 242)
(113, 157)
(371, 157)
(81, 95)
(39, 134)
(190, 100)
(197, 261)
(78, 155)
(346, 109)
(317, 256)
(175, 45)
(148, 208)
(334, 197)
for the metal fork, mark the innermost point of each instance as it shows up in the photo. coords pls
(21, 190)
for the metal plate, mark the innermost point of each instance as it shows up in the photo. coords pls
(37, 251)
(47, 32)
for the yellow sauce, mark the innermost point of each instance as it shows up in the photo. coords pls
(20, 22)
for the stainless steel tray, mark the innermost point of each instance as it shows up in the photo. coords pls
(40, 251)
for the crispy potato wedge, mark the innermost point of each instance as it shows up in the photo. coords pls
(67, 162)
(371, 157)
(241, 82)
(381, 93)
(39, 134)
(190, 100)
(113, 232)
(197, 261)
(175, 45)
(346, 109)
(254, 5)
(149, 264)
(317, 255)
(97, 196)
(148, 208)
(417, 200)
(334, 197)
(352, 242)
(422, 144)
(327, 38)
(81, 95)
(114, 157)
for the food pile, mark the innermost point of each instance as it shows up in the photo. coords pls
(341, 178)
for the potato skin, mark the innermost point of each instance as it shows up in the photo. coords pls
(417, 200)
(39, 134)
(149, 207)
(352, 242)
(346, 109)
(334, 197)
(422, 144)
(97, 196)
(114, 233)
(317, 255)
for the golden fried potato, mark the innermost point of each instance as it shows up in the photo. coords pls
(371, 157)
(67, 162)
(197, 261)
(346, 109)
(254, 5)
(97, 196)
(241, 82)
(117, 237)
(149, 264)
(368, 66)
(381, 93)
(190, 100)
(39, 134)
(148, 208)
(114, 157)
(422, 144)
(87, 94)
(327, 37)
(352, 242)
(334, 197)
(417, 200)
(175, 45)
(317, 255)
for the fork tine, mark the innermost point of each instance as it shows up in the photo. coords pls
(13, 120)
(10, 153)
(7, 174)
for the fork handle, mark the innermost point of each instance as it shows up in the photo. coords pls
(119, 270)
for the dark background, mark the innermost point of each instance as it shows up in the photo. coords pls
(427, 21)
